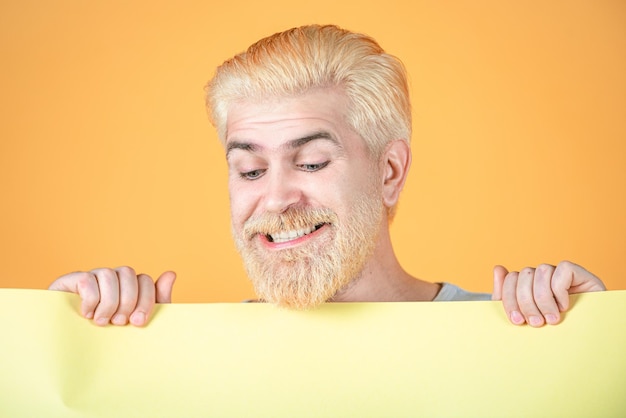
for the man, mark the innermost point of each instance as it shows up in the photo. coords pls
(316, 123)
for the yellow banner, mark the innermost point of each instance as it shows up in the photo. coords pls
(342, 360)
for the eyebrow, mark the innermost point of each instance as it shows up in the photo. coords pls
(292, 144)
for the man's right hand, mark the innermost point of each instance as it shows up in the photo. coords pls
(117, 296)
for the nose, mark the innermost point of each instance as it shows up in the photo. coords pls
(282, 192)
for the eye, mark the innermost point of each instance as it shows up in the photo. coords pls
(252, 175)
(313, 167)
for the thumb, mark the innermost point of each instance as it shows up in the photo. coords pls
(164, 285)
(499, 274)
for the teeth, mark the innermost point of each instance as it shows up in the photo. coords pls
(291, 235)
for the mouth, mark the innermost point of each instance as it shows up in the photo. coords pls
(286, 236)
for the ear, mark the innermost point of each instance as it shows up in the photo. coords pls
(396, 161)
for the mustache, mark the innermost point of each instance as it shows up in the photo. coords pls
(291, 219)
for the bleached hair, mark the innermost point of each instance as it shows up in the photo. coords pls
(295, 61)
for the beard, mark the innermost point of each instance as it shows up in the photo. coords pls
(311, 273)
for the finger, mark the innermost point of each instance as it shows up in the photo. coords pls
(542, 291)
(509, 298)
(145, 301)
(85, 285)
(499, 274)
(570, 278)
(128, 291)
(108, 283)
(164, 286)
(526, 298)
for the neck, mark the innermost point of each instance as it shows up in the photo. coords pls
(384, 280)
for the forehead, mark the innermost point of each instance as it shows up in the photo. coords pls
(280, 118)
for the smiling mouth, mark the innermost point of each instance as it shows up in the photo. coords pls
(292, 235)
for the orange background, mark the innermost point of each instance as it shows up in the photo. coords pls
(107, 157)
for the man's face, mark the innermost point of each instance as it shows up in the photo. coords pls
(305, 196)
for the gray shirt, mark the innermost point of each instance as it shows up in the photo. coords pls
(452, 293)
(447, 293)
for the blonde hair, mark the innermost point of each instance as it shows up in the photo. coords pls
(292, 62)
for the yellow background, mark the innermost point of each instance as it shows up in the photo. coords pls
(107, 157)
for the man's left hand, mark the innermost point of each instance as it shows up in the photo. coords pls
(538, 295)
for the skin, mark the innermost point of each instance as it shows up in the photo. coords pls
(118, 296)
(273, 165)
(537, 296)
(269, 127)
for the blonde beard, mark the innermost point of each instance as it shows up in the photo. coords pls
(310, 274)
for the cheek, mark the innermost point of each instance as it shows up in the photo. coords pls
(358, 192)
(240, 206)
(335, 190)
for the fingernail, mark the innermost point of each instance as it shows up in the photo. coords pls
(138, 318)
(517, 318)
(119, 319)
(535, 321)
(102, 321)
(551, 319)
